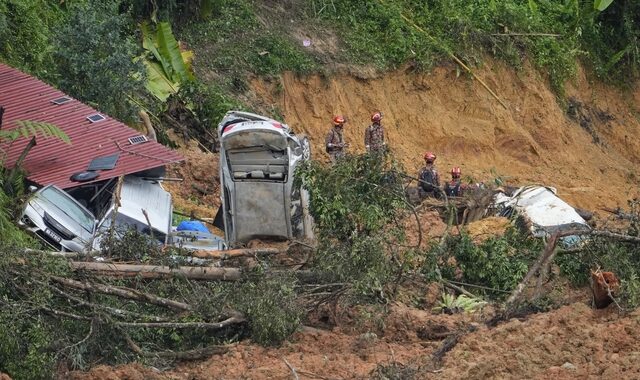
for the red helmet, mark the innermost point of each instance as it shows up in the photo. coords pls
(429, 156)
(456, 172)
(376, 117)
(338, 120)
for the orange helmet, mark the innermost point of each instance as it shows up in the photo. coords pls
(376, 117)
(338, 120)
(429, 156)
(456, 172)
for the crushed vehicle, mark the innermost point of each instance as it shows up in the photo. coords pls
(544, 212)
(142, 205)
(59, 220)
(78, 220)
(258, 159)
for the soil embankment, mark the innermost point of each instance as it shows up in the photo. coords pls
(587, 149)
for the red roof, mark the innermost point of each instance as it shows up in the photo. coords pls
(52, 161)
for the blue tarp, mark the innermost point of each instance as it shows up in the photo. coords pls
(192, 225)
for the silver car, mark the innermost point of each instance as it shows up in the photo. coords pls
(59, 220)
(258, 159)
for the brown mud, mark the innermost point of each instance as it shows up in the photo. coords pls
(588, 149)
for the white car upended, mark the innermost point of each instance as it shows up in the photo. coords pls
(544, 211)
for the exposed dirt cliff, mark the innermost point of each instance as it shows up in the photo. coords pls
(587, 149)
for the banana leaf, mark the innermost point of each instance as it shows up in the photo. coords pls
(170, 51)
(167, 67)
(601, 5)
(157, 82)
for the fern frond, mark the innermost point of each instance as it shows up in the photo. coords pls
(30, 128)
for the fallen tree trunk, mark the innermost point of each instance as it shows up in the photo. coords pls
(62, 254)
(239, 252)
(545, 256)
(239, 318)
(157, 271)
(122, 292)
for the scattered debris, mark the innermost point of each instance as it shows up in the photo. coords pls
(605, 286)
(66, 221)
(543, 211)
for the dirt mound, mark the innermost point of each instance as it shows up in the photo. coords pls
(133, 371)
(532, 141)
(571, 342)
(430, 226)
(199, 192)
(581, 153)
(488, 227)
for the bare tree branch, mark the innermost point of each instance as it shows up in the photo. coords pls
(122, 292)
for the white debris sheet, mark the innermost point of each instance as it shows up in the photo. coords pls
(540, 205)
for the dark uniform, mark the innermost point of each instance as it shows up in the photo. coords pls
(334, 143)
(430, 181)
(374, 138)
(454, 188)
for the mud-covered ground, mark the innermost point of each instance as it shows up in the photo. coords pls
(586, 148)
(574, 341)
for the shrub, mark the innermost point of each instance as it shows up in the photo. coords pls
(355, 204)
(269, 302)
(95, 55)
(25, 30)
(498, 262)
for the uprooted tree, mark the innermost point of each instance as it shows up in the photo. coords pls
(55, 311)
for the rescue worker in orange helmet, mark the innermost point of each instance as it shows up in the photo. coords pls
(455, 188)
(428, 175)
(334, 141)
(374, 135)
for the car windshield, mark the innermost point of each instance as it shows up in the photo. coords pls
(67, 205)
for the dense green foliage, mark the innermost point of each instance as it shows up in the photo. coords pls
(45, 323)
(552, 34)
(95, 57)
(26, 27)
(72, 44)
(499, 262)
(248, 46)
(269, 302)
(356, 205)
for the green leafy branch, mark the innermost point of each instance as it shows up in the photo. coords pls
(30, 128)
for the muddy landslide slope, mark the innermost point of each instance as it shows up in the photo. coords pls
(586, 148)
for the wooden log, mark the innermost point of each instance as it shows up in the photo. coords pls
(186, 325)
(239, 252)
(122, 292)
(157, 271)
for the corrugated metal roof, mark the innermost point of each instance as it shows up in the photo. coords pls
(52, 161)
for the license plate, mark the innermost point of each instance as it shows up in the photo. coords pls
(52, 235)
